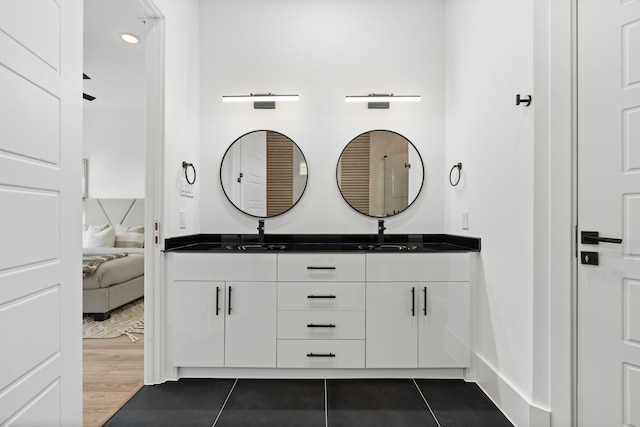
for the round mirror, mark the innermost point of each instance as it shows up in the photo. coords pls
(263, 173)
(380, 173)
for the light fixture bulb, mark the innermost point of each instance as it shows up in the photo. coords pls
(259, 98)
(129, 38)
(383, 98)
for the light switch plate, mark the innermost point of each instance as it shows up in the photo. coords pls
(183, 219)
(465, 220)
(186, 189)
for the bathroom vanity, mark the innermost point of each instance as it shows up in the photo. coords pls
(318, 305)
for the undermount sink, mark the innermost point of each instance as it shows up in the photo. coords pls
(391, 247)
(256, 247)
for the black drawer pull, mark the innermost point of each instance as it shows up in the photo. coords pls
(321, 296)
(320, 268)
(321, 355)
(313, 325)
(229, 300)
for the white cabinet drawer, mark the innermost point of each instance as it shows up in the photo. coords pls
(224, 267)
(420, 267)
(320, 353)
(321, 296)
(321, 325)
(321, 267)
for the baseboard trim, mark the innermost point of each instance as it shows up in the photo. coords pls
(516, 407)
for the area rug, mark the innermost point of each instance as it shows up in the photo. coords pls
(127, 320)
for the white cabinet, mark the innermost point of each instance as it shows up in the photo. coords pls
(415, 322)
(221, 310)
(392, 328)
(250, 324)
(196, 323)
(318, 310)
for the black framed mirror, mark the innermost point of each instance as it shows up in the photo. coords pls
(380, 173)
(263, 173)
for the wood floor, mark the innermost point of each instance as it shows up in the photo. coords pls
(113, 371)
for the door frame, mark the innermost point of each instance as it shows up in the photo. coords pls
(154, 188)
(555, 210)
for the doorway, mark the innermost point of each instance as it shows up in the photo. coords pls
(121, 133)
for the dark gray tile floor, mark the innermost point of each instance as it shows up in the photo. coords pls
(309, 403)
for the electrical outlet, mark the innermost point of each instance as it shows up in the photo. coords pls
(465, 220)
(183, 219)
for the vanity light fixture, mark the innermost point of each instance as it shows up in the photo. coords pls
(129, 38)
(260, 101)
(381, 101)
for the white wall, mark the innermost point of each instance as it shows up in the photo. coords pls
(114, 143)
(489, 59)
(322, 51)
(182, 111)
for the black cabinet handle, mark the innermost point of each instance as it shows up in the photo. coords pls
(229, 301)
(321, 355)
(320, 268)
(425, 300)
(413, 301)
(217, 300)
(321, 296)
(329, 325)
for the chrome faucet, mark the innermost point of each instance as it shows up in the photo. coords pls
(381, 229)
(261, 231)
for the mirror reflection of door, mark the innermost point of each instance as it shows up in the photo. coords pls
(263, 173)
(375, 174)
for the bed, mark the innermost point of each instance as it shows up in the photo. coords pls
(113, 254)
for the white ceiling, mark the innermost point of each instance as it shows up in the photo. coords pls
(116, 68)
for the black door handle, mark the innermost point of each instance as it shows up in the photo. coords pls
(413, 301)
(217, 300)
(229, 301)
(593, 238)
(425, 300)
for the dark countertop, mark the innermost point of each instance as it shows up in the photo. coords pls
(283, 243)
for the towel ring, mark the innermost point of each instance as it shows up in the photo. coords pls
(186, 167)
(459, 167)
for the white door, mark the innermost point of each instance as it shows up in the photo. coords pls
(608, 389)
(40, 212)
(250, 324)
(253, 165)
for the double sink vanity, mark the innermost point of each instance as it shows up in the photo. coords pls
(317, 305)
(312, 305)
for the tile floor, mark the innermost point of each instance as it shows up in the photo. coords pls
(309, 403)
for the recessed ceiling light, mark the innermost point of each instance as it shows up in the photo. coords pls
(129, 38)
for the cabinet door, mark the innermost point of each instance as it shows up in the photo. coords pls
(196, 323)
(250, 318)
(392, 325)
(444, 334)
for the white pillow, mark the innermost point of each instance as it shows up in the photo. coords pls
(136, 229)
(94, 238)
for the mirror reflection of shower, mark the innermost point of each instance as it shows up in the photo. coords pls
(380, 173)
(395, 178)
